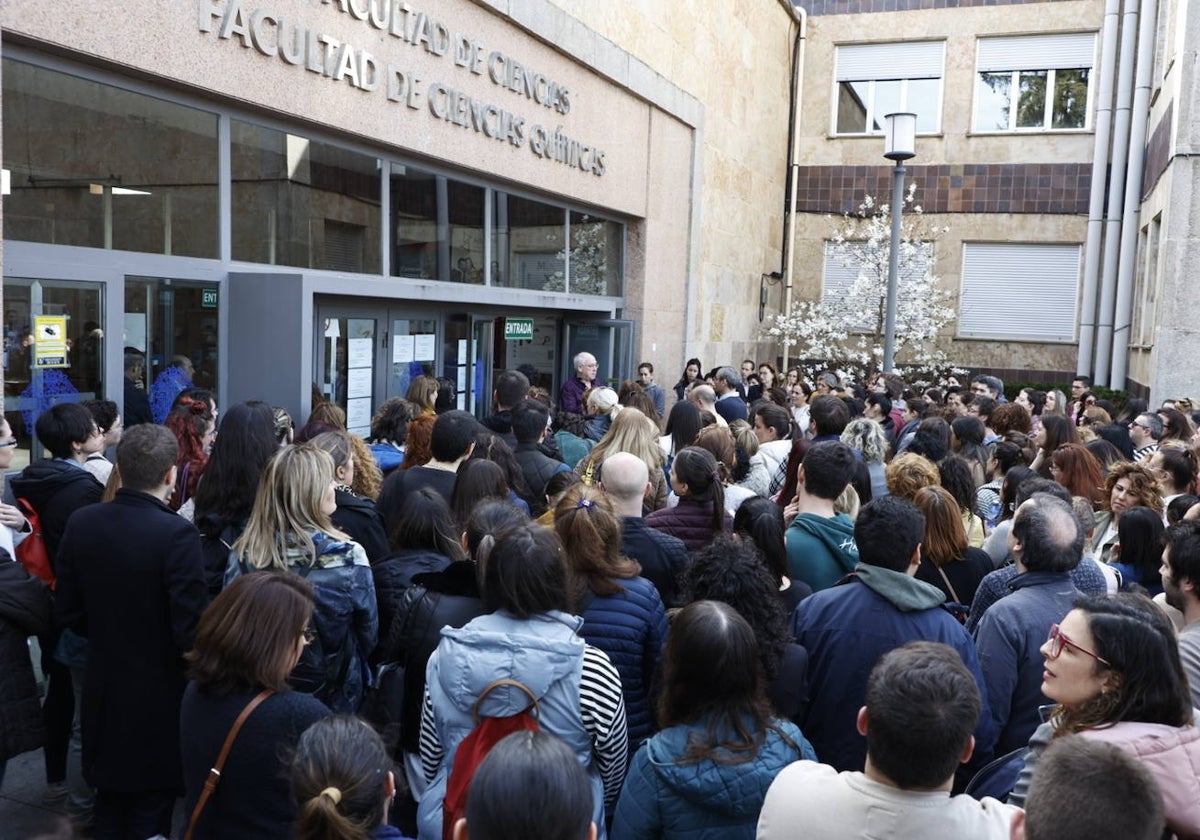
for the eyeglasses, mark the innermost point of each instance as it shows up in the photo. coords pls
(1058, 640)
(1139, 425)
(7, 443)
(309, 634)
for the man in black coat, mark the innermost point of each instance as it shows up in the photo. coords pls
(131, 581)
(626, 480)
(529, 426)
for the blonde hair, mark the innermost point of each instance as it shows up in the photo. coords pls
(744, 437)
(288, 505)
(908, 473)
(632, 432)
(605, 401)
(848, 502)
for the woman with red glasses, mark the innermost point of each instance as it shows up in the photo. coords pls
(1112, 667)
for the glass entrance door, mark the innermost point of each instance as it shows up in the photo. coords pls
(610, 341)
(53, 352)
(348, 347)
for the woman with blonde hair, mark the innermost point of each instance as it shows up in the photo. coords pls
(290, 531)
(422, 392)
(622, 612)
(720, 442)
(356, 513)
(947, 561)
(602, 408)
(635, 433)
(908, 473)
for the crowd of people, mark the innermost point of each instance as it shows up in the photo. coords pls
(783, 608)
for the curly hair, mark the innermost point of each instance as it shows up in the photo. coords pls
(908, 473)
(732, 571)
(420, 435)
(1010, 417)
(868, 438)
(1141, 482)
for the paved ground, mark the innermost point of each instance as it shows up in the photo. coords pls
(22, 815)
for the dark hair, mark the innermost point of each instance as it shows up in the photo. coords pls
(1105, 452)
(1138, 642)
(445, 395)
(761, 520)
(791, 471)
(453, 434)
(1050, 533)
(104, 412)
(732, 571)
(525, 573)
(1037, 400)
(246, 638)
(828, 466)
(1176, 425)
(145, 454)
(1180, 464)
(511, 386)
(560, 482)
(231, 476)
(1008, 454)
(697, 468)
(777, 418)
(529, 785)
(423, 522)
(589, 528)
(887, 532)
(478, 479)
(922, 707)
(1062, 802)
(1078, 471)
(1009, 487)
(882, 401)
(390, 423)
(488, 522)
(931, 439)
(339, 777)
(830, 414)
(1184, 557)
(529, 421)
(984, 406)
(683, 377)
(945, 537)
(1059, 430)
(956, 478)
(1140, 535)
(62, 425)
(1036, 484)
(860, 480)
(683, 424)
(711, 673)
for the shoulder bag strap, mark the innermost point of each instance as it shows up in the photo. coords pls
(949, 585)
(533, 702)
(214, 775)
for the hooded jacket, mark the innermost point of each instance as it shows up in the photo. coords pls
(846, 629)
(820, 550)
(702, 800)
(56, 489)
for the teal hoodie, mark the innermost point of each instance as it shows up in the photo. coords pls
(905, 593)
(821, 551)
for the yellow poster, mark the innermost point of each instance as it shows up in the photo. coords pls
(50, 341)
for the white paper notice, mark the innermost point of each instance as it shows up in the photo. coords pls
(425, 347)
(358, 414)
(358, 383)
(402, 349)
(462, 379)
(359, 353)
(462, 351)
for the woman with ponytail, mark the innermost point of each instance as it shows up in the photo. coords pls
(700, 514)
(623, 614)
(343, 783)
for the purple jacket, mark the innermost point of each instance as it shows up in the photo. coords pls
(571, 396)
(689, 521)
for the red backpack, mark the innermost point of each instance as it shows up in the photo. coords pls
(475, 747)
(31, 551)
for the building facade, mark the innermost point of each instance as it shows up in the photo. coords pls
(348, 193)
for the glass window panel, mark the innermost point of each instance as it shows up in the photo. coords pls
(1070, 99)
(888, 100)
(414, 223)
(992, 93)
(1031, 99)
(922, 100)
(536, 233)
(170, 321)
(414, 351)
(596, 255)
(466, 231)
(304, 203)
(852, 107)
(101, 167)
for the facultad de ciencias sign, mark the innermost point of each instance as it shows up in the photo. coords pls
(299, 44)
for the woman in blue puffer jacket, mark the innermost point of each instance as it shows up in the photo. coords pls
(704, 777)
(623, 614)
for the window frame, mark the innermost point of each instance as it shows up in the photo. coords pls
(1021, 43)
(1012, 305)
(841, 76)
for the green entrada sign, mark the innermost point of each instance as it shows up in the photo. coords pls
(208, 298)
(517, 329)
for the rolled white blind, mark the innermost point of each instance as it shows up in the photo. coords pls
(907, 60)
(1037, 52)
(1019, 291)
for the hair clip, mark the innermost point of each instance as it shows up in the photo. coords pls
(586, 504)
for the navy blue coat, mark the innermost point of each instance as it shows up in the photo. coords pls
(631, 628)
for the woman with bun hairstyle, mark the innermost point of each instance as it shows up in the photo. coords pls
(691, 372)
(700, 514)
(602, 407)
(343, 783)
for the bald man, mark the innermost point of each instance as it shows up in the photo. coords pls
(626, 480)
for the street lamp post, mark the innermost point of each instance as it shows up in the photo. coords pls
(900, 140)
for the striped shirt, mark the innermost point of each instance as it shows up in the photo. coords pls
(601, 705)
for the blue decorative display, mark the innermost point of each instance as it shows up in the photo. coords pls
(54, 387)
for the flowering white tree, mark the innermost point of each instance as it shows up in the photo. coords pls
(844, 331)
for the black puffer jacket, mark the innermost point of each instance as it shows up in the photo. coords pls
(359, 518)
(393, 576)
(24, 611)
(56, 489)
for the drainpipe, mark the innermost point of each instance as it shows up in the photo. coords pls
(1095, 228)
(1133, 193)
(1116, 194)
(789, 242)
